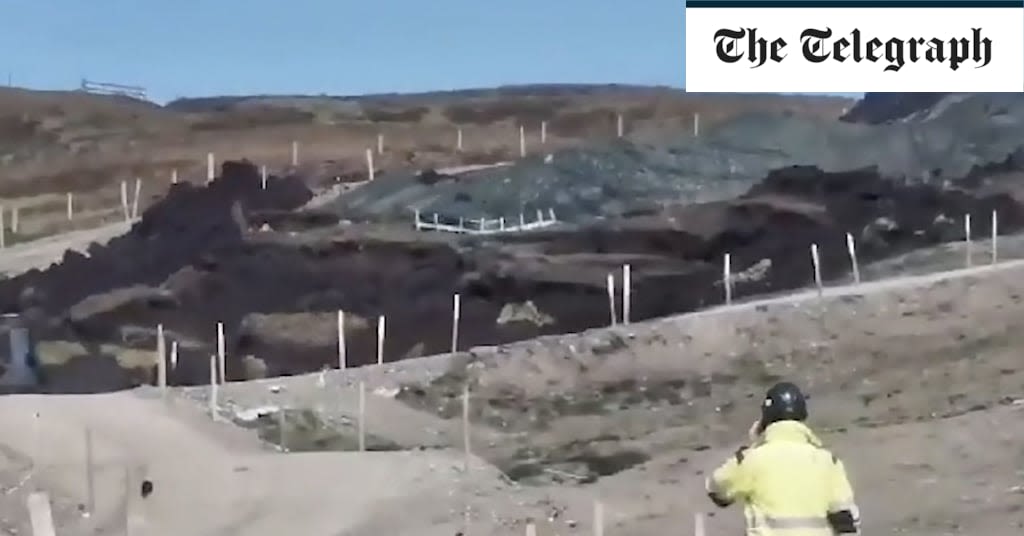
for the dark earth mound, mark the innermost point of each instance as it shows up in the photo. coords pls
(193, 261)
(879, 108)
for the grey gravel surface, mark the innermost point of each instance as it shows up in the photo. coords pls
(580, 184)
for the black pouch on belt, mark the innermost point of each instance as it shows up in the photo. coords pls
(842, 522)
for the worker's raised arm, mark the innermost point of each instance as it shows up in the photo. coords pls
(843, 514)
(729, 482)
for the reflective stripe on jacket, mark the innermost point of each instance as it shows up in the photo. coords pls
(788, 483)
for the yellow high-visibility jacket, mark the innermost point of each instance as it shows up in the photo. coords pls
(788, 483)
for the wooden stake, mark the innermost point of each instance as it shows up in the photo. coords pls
(342, 358)
(458, 140)
(611, 298)
(3, 229)
(369, 164)
(211, 167)
(174, 176)
(727, 278)
(465, 426)
(221, 353)
(90, 474)
(816, 260)
(531, 529)
(15, 213)
(161, 356)
(380, 144)
(263, 177)
(71, 206)
(619, 126)
(124, 202)
(522, 142)
(213, 387)
(380, 340)
(543, 132)
(456, 314)
(851, 249)
(135, 200)
(282, 437)
(696, 125)
(627, 290)
(362, 416)
(40, 514)
(995, 237)
(967, 240)
(698, 524)
(598, 518)
(174, 355)
(295, 153)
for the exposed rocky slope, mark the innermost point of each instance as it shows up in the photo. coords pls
(939, 143)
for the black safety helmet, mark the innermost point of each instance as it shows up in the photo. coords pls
(783, 402)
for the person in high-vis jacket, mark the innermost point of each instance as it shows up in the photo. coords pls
(788, 483)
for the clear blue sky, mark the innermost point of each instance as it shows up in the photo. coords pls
(190, 48)
(211, 47)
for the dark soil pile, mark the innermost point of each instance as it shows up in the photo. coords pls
(194, 246)
(190, 226)
(879, 108)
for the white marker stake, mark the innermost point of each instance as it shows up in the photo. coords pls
(380, 144)
(727, 278)
(369, 164)
(3, 229)
(696, 125)
(14, 219)
(342, 358)
(161, 356)
(174, 355)
(135, 200)
(211, 167)
(361, 424)
(598, 518)
(456, 314)
(458, 140)
(627, 291)
(531, 529)
(295, 153)
(816, 260)
(263, 177)
(465, 425)
(124, 202)
(851, 249)
(611, 298)
(221, 353)
(995, 237)
(698, 524)
(967, 239)
(71, 206)
(40, 514)
(543, 132)
(213, 387)
(380, 340)
(174, 176)
(619, 126)
(522, 142)
(90, 474)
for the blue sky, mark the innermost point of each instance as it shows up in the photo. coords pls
(211, 47)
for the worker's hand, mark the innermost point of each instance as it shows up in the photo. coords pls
(754, 434)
